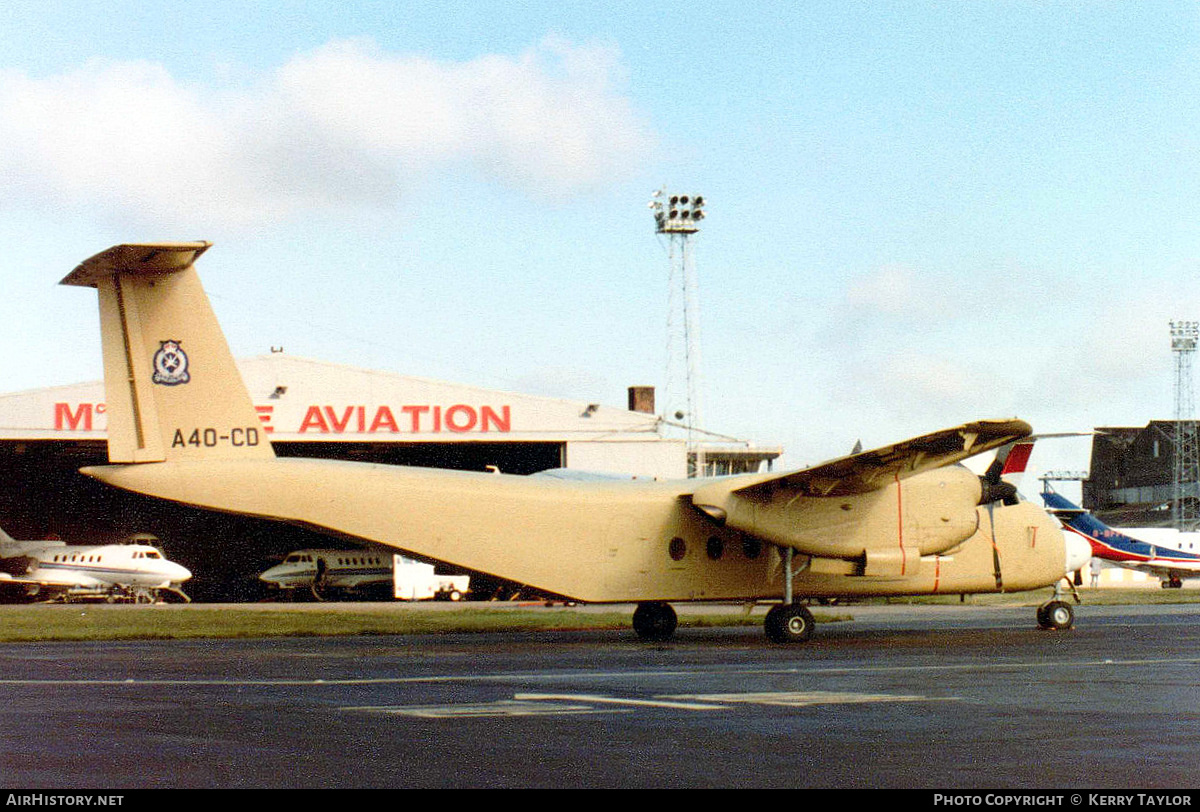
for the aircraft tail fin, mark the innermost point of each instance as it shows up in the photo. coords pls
(171, 385)
(1063, 508)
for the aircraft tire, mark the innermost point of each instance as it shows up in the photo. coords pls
(789, 623)
(654, 621)
(1056, 615)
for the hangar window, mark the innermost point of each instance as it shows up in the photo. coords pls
(752, 548)
(677, 549)
(716, 547)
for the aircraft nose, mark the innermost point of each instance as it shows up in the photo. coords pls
(180, 573)
(1079, 552)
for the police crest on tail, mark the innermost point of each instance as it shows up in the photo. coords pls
(170, 364)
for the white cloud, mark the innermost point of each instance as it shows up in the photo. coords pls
(889, 290)
(344, 125)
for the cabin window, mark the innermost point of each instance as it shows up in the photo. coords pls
(677, 549)
(716, 547)
(751, 548)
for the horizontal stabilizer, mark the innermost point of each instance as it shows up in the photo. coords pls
(136, 259)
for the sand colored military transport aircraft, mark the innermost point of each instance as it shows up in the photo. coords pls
(898, 520)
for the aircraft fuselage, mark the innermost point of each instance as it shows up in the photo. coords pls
(598, 542)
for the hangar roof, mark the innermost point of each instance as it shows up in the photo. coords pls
(300, 399)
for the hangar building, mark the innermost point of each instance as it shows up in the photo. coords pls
(1131, 479)
(317, 409)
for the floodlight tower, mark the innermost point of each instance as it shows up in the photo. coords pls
(1186, 513)
(678, 217)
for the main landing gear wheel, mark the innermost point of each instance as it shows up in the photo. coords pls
(654, 621)
(1056, 615)
(789, 623)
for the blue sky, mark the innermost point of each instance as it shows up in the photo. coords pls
(920, 213)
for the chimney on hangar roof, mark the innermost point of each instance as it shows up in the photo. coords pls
(641, 399)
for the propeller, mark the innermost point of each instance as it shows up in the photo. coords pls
(994, 489)
(1009, 459)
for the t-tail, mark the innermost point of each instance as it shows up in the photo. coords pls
(172, 389)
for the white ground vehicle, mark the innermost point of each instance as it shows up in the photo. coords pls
(414, 581)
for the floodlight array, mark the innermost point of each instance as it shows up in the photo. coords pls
(677, 214)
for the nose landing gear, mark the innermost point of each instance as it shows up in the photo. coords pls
(1057, 614)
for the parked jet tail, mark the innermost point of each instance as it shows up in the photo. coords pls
(159, 333)
(1113, 545)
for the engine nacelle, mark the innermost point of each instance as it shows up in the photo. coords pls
(894, 525)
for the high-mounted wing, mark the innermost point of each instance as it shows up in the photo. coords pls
(870, 504)
(870, 470)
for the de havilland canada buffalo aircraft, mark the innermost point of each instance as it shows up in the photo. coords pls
(903, 519)
(48, 570)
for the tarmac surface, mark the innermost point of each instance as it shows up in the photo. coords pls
(935, 697)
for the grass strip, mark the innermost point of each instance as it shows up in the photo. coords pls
(1091, 597)
(93, 622)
